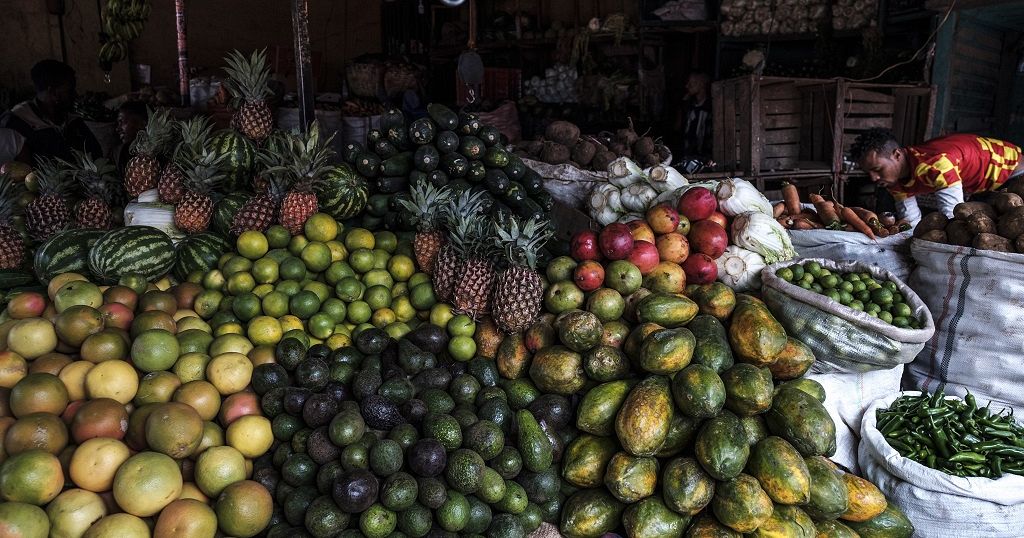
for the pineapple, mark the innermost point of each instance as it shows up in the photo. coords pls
(143, 170)
(447, 268)
(194, 135)
(247, 81)
(303, 163)
(424, 205)
(519, 290)
(194, 210)
(49, 213)
(260, 211)
(470, 235)
(12, 246)
(97, 178)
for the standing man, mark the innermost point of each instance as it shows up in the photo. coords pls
(695, 123)
(951, 167)
(132, 117)
(46, 125)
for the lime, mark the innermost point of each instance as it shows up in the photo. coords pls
(380, 258)
(265, 270)
(383, 317)
(321, 325)
(385, 240)
(397, 330)
(798, 272)
(361, 260)
(288, 287)
(462, 348)
(335, 308)
(785, 273)
(829, 281)
(846, 286)
(359, 238)
(816, 288)
(337, 271)
(316, 256)
(872, 308)
(862, 296)
(814, 268)
(236, 264)
(279, 254)
(401, 267)
(882, 296)
(403, 309)
(461, 325)
(229, 328)
(296, 244)
(214, 280)
(338, 339)
(207, 302)
(885, 316)
(304, 304)
(297, 334)
(240, 283)
(804, 285)
(338, 251)
(900, 321)
(833, 294)
(322, 291)
(321, 227)
(293, 269)
(399, 289)
(856, 305)
(359, 312)
(377, 297)
(422, 296)
(418, 278)
(264, 331)
(290, 322)
(261, 290)
(902, 310)
(859, 286)
(376, 277)
(252, 244)
(350, 289)
(441, 314)
(246, 306)
(892, 286)
(278, 236)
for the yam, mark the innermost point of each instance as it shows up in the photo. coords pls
(930, 222)
(533, 147)
(980, 223)
(602, 160)
(1016, 187)
(966, 209)
(563, 132)
(649, 160)
(620, 149)
(626, 136)
(583, 152)
(1019, 244)
(994, 242)
(958, 234)
(554, 153)
(643, 146)
(935, 236)
(1011, 224)
(1005, 201)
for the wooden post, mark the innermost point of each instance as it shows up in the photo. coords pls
(184, 94)
(303, 64)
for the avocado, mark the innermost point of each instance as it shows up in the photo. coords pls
(328, 473)
(432, 378)
(355, 456)
(428, 337)
(299, 470)
(521, 392)
(397, 389)
(507, 463)
(465, 470)
(399, 492)
(338, 392)
(318, 410)
(427, 458)
(367, 382)
(320, 448)
(485, 438)
(312, 374)
(346, 428)
(318, 351)
(380, 413)
(433, 492)
(479, 516)
(498, 412)
(405, 435)
(444, 428)
(415, 521)
(414, 410)
(272, 403)
(553, 409)
(411, 359)
(463, 389)
(540, 487)
(464, 415)
(488, 393)
(534, 445)
(345, 355)
(299, 438)
(437, 400)
(484, 370)
(355, 491)
(295, 399)
(372, 341)
(506, 526)
(268, 376)
(289, 353)
(297, 503)
(324, 518)
(386, 457)
(268, 477)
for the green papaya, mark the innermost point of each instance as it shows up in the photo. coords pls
(558, 370)
(667, 310)
(754, 333)
(586, 459)
(605, 363)
(833, 529)
(667, 351)
(801, 419)
(748, 389)
(643, 421)
(512, 357)
(706, 526)
(590, 513)
(630, 478)
(828, 498)
(686, 487)
(681, 433)
(698, 391)
(534, 446)
(712, 343)
(597, 410)
(891, 523)
(721, 448)
(715, 299)
(786, 522)
(741, 504)
(794, 360)
(754, 429)
(631, 347)
(781, 471)
(809, 386)
(579, 331)
(650, 518)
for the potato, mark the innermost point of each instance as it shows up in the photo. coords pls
(643, 146)
(1016, 187)
(1011, 224)
(930, 222)
(554, 153)
(1005, 201)
(533, 147)
(994, 242)
(564, 132)
(958, 234)
(602, 160)
(980, 223)
(935, 236)
(583, 152)
(966, 209)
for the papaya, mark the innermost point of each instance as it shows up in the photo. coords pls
(631, 347)
(667, 351)
(686, 487)
(715, 299)
(632, 300)
(643, 421)
(748, 389)
(631, 478)
(512, 357)
(665, 309)
(706, 526)
(781, 471)
(891, 523)
(834, 529)
(558, 370)
(741, 504)
(586, 459)
(650, 518)
(712, 343)
(721, 448)
(698, 391)
(541, 334)
(801, 419)
(809, 386)
(487, 337)
(681, 433)
(786, 522)
(590, 513)
(865, 499)
(754, 333)
(828, 498)
(794, 360)
(596, 412)
(605, 363)
(579, 330)
(754, 429)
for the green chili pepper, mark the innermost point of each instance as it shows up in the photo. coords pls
(968, 456)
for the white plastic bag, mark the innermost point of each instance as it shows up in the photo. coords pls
(891, 253)
(844, 339)
(940, 505)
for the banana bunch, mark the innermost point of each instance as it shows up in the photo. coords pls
(113, 51)
(122, 22)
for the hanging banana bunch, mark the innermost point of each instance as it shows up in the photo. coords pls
(123, 21)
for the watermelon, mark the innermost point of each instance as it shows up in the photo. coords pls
(343, 193)
(66, 252)
(225, 210)
(199, 252)
(142, 250)
(241, 159)
(12, 278)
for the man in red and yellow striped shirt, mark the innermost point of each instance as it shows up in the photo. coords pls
(949, 167)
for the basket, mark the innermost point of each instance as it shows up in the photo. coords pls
(399, 78)
(364, 79)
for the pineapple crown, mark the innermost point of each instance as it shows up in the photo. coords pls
(301, 160)
(425, 204)
(158, 136)
(248, 77)
(203, 172)
(520, 241)
(52, 175)
(468, 228)
(10, 191)
(97, 176)
(194, 134)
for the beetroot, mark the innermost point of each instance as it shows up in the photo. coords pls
(697, 203)
(616, 241)
(700, 269)
(707, 237)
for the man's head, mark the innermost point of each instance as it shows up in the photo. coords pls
(881, 157)
(131, 118)
(54, 84)
(697, 84)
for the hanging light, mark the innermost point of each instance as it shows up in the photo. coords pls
(452, 3)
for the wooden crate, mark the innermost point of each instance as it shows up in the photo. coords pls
(906, 110)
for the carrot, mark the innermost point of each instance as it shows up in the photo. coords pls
(791, 197)
(826, 212)
(779, 210)
(883, 232)
(804, 224)
(850, 216)
(869, 217)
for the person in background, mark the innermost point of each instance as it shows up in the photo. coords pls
(696, 121)
(46, 124)
(949, 167)
(132, 117)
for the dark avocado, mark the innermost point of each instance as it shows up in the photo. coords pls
(432, 378)
(465, 416)
(428, 337)
(328, 473)
(269, 376)
(318, 410)
(540, 487)
(295, 399)
(366, 383)
(318, 351)
(554, 409)
(486, 438)
(463, 389)
(414, 410)
(289, 353)
(508, 463)
(427, 457)
(497, 411)
(372, 341)
(491, 393)
(386, 457)
(484, 370)
(380, 413)
(338, 392)
(397, 389)
(272, 403)
(345, 355)
(320, 448)
(355, 491)
(433, 492)
(312, 374)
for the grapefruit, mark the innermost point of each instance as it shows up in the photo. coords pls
(22, 520)
(229, 372)
(191, 491)
(156, 387)
(73, 377)
(13, 367)
(217, 468)
(146, 483)
(118, 526)
(112, 379)
(102, 417)
(74, 511)
(77, 323)
(95, 462)
(186, 518)
(155, 350)
(32, 338)
(251, 435)
(41, 431)
(201, 395)
(32, 477)
(174, 429)
(244, 509)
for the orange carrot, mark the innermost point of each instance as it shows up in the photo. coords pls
(826, 212)
(851, 218)
(779, 210)
(869, 217)
(791, 197)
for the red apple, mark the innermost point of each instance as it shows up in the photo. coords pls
(673, 247)
(584, 246)
(663, 219)
(720, 218)
(589, 275)
(644, 256)
(641, 230)
(697, 203)
(700, 269)
(616, 241)
(707, 237)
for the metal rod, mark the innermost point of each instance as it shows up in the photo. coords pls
(183, 78)
(303, 63)
(63, 37)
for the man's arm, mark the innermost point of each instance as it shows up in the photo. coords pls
(908, 209)
(949, 197)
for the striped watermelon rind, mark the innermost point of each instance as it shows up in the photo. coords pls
(343, 193)
(225, 211)
(66, 252)
(241, 159)
(199, 252)
(142, 250)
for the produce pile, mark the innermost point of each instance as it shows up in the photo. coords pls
(563, 144)
(831, 215)
(557, 86)
(998, 226)
(360, 107)
(854, 14)
(123, 21)
(767, 17)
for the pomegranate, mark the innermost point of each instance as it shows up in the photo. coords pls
(700, 269)
(662, 219)
(583, 246)
(709, 238)
(616, 241)
(645, 256)
(641, 230)
(589, 275)
(697, 203)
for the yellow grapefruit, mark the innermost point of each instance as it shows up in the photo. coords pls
(146, 483)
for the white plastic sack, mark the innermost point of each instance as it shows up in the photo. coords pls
(891, 253)
(146, 211)
(844, 339)
(940, 505)
(977, 299)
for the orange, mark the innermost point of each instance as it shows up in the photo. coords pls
(401, 267)
(201, 395)
(321, 227)
(174, 429)
(13, 367)
(38, 431)
(38, 393)
(73, 377)
(74, 511)
(32, 338)
(217, 468)
(118, 526)
(229, 372)
(244, 509)
(33, 477)
(21, 520)
(146, 483)
(252, 244)
(95, 461)
(385, 240)
(251, 435)
(186, 518)
(112, 379)
(156, 387)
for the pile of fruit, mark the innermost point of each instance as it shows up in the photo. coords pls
(563, 144)
(998, 226)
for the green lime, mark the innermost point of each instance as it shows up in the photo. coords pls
(214, 280)
(816, 288)
(316, 256)
(293, 268)
(808, 278)
(804, 285)
(320, 325)
(322, 291)
(859, 286)
(814, 268)
(798, 271)
(403, 308)
(852, 277)
(246, 306)
(785, 273)
(378, 277)
(288, 287)
(422, 296)
(335, 308)
(900, 321)
(239, 283)
(237, 264)
(461, 325)
(296, 244)
(832, 294)
(350, 289)
(252, 244)
(824, 273)
(304, 304)
(297, 334)
(856, 305)
(399, 289)
(401, 267)
(462, 348)
(279, 254)
(265, 270)
(380, 258)
(275, 304)
(862, 296)
(418, 278)
(278, 236)
(902, 309)
(361, 260)
(337, 271)
(885, 316)
(845, 298)
(872, 308)
(846, 286)
(882, 296)
(385, 240)
(829, 281)
(898, 298)
(377, 297)
(359, 312)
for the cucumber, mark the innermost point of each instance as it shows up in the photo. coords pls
(443, 116)
(532, 182)
(426, 158)
(544, 200)
(384, 148)
(472, 147)
(458, 186)
(477, 171)
(422, 131)
(515, 193)
(469, 124)
(368, 165)
(515, 169)
(438, 178)
(529, 209)
(447, 142)
(489, 134)
(455, 165)
(496, 157)
(399, 165)
(496, 181)
(350, 152)
(392, 184)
